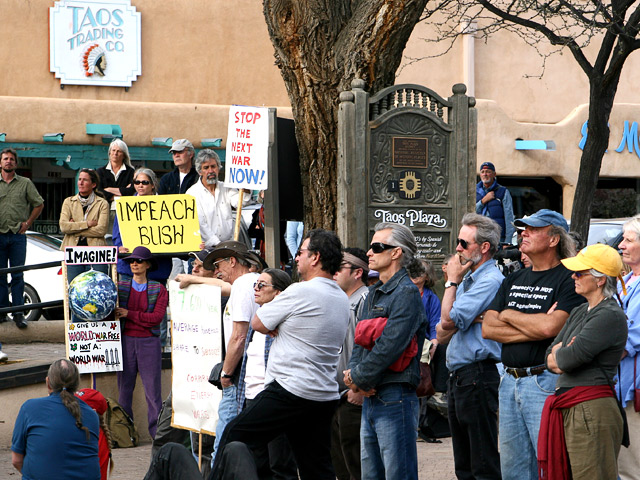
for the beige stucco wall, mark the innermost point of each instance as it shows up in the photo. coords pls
(193, 51)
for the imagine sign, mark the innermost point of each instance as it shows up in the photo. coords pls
(95, 42)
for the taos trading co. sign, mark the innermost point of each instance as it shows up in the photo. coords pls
(95, 42)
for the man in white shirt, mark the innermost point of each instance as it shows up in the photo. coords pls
(309, 321)
(214, 201)
(228, 261)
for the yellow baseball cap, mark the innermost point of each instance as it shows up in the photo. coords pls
(600, 257)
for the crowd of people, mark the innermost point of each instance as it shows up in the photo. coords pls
(319, 377)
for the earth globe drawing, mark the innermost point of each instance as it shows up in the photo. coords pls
(92, 296)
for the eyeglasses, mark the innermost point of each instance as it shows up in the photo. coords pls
(136, 260)
(215, 264)
(143, 182)
(260, 285)
(463, 243)
(379, 247)
(299, 252)
(346, 265)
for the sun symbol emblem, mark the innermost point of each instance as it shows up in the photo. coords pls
(94, 60)
(409, 185)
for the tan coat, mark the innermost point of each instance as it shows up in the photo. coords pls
(74, 226)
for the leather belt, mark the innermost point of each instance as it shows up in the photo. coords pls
(525, 372)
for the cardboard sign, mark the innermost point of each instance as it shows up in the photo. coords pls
(95, 346)
(195, 349)
(247, 148)
(90, 255)
(162, 223)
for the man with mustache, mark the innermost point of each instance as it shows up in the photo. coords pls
(473, 280)
(214, 201)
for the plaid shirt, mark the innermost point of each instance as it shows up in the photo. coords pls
(240, 398)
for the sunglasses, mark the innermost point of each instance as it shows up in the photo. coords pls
(260, 285)
(581, 274)
(463, 243)
(143, 182)
(299, 252)
(136, 260)
(379, 247)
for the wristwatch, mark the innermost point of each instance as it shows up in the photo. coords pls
(450, 284)
(223, 374)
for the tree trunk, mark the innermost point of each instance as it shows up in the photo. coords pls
(600, 105)
(320, 47)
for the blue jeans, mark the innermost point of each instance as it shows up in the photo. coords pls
(227, 411)
(388, 434)
(13, 252)
(521, 403)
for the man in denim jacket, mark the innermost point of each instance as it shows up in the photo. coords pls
(389, 426)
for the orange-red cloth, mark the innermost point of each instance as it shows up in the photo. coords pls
(368, 331)
(553, 459)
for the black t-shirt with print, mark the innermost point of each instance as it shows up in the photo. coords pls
(534, 292)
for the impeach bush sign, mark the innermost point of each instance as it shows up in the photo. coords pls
(162, 223)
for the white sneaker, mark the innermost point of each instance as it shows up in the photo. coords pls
(3, 357)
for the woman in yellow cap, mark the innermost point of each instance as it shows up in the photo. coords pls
(582, 427)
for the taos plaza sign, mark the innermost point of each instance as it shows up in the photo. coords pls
(95, 42)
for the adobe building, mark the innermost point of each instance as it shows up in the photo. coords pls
(188, 60)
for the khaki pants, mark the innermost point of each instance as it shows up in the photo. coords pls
(593, 432)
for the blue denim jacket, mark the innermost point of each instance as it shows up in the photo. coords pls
(399, 301)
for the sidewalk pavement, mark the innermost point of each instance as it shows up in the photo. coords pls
(435, 462)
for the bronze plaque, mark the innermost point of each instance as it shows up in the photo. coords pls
(409, 152)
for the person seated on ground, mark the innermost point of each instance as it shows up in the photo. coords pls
(56, 437)
(96, 400)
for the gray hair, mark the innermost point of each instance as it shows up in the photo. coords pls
(632, 225)
(401, 237)
(610, 287)
(206, 155)
(150, 174)
(487, 230)
(120, 145)
(566, 245)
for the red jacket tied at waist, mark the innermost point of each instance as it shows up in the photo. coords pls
(553, 459)
(368, 331)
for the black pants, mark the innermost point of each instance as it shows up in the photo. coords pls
(173, 462)
(278, 454)
(345, 440)
(306, 423)
(473, 419)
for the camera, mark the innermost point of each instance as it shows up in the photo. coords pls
(508, 259)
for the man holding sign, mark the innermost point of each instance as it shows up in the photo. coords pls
(214, 200)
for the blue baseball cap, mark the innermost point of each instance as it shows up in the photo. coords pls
(488, 165)
(543, 218)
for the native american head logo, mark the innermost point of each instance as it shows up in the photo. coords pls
(94, 60)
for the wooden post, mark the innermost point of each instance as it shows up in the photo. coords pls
(236, 230)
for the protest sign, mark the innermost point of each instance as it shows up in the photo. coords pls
(162, 223)
(195, 349)
(247, 148)
(90, 255)
(95, 346)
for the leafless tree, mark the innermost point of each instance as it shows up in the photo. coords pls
(320, 47)
(566, 24)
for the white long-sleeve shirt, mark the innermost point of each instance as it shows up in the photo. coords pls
(214, 212)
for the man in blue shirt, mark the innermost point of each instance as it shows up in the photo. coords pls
(474, 280)
(494, 201)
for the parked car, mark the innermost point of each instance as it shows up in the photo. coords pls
(45, 284)
(606, 230)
